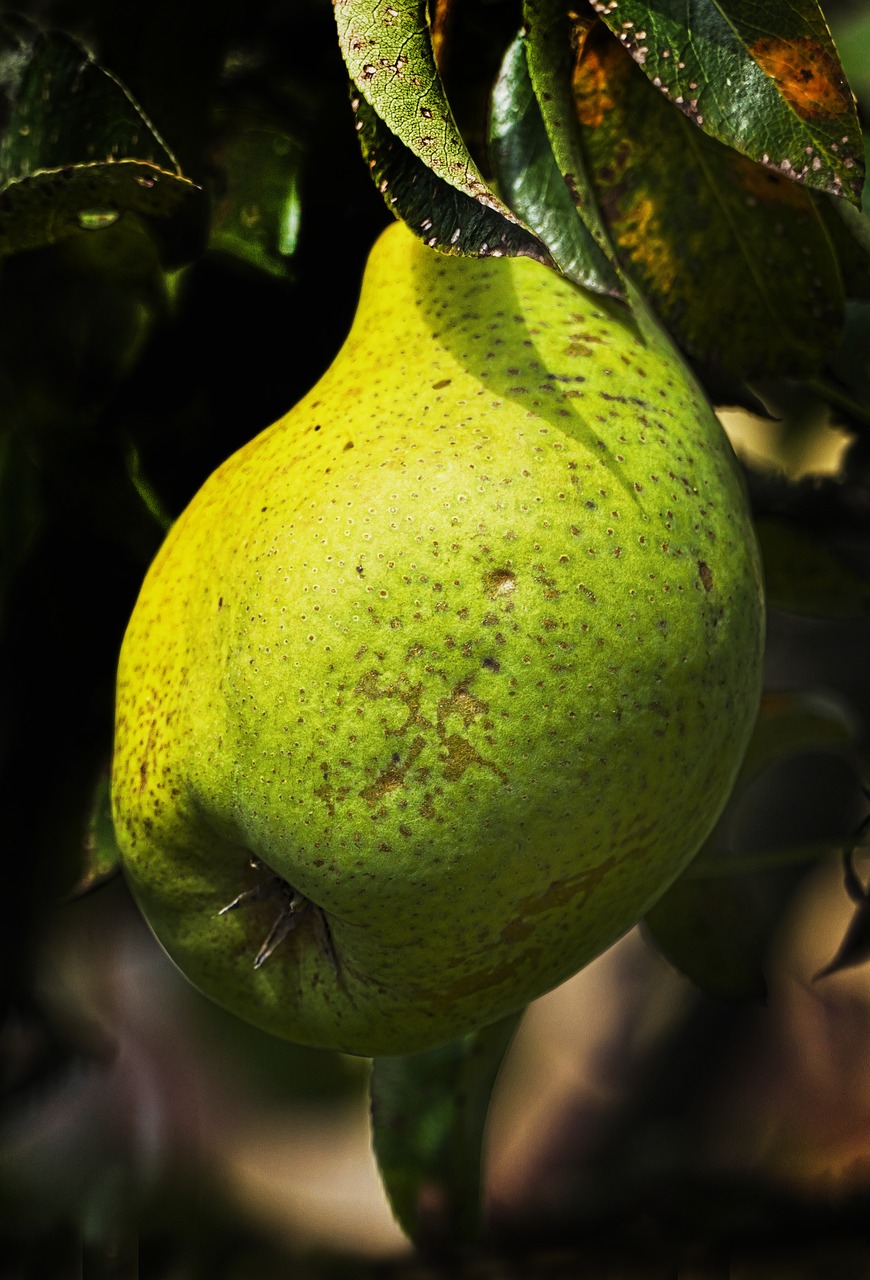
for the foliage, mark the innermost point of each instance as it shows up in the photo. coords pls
(184, 216)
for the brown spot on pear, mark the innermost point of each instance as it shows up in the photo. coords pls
(471, 831)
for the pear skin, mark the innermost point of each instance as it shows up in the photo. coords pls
(446, 676)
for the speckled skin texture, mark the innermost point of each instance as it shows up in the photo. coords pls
(466, 648)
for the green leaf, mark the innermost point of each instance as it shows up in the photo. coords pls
(549, 61)
(257, 214)
(733, 257)
(530, 180)
(792, 722)
(102, 857)
(716, 933)
(439, 214)
(804, 576)
(849, 229)
(428, 1117)
(388, 52)
(765, 79)
(76, 151)
(850, 362)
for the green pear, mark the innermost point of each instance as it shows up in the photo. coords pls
(441, 681)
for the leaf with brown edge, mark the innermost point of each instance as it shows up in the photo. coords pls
(389, 54)
(764, 79)
(733, 257)
(445, 218)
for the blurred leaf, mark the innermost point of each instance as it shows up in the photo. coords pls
(855, 947)
(388, 51)
(76, 151)
(794, 721)
(765, 79)
(733, 257)
(804, 576)
(428, 1116)
(849, 229)
(530, 181)
(102, 857)
(438, 213)
(850, 362)
(851, 28)
(257, 210)
(716, 933)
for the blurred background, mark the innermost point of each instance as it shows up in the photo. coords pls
(644, 1124)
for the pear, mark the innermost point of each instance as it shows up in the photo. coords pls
(439, 682)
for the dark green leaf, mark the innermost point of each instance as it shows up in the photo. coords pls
(764, 79)
(716, 933)
(439, 214)
(791, 722)
(102, 857)
(804, 576)
(388, 51)
(428, 1116)
(850, 362)
(732, 256)
(549, 61)
(76, 151)
(530, 181)
(849, 229)
(257, 214)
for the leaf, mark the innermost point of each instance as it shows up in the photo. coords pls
(102, 857)
(855, 947)
(805, 577)
(716, 933)
(530, 181)
(549, 63)
(733, 257)
(850, 362)
(849, 229)
(388, 52)
(428, 1116)
(257, 213)
(764, 79)
(439, 214)
(793, 722)
(76, 151)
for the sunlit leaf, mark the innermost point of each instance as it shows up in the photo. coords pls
(762, 78)
(76, 150)
(804, 576)
(438, 213)
(389, 54)
(733, 257)
(428, 1116)
(530, 180)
